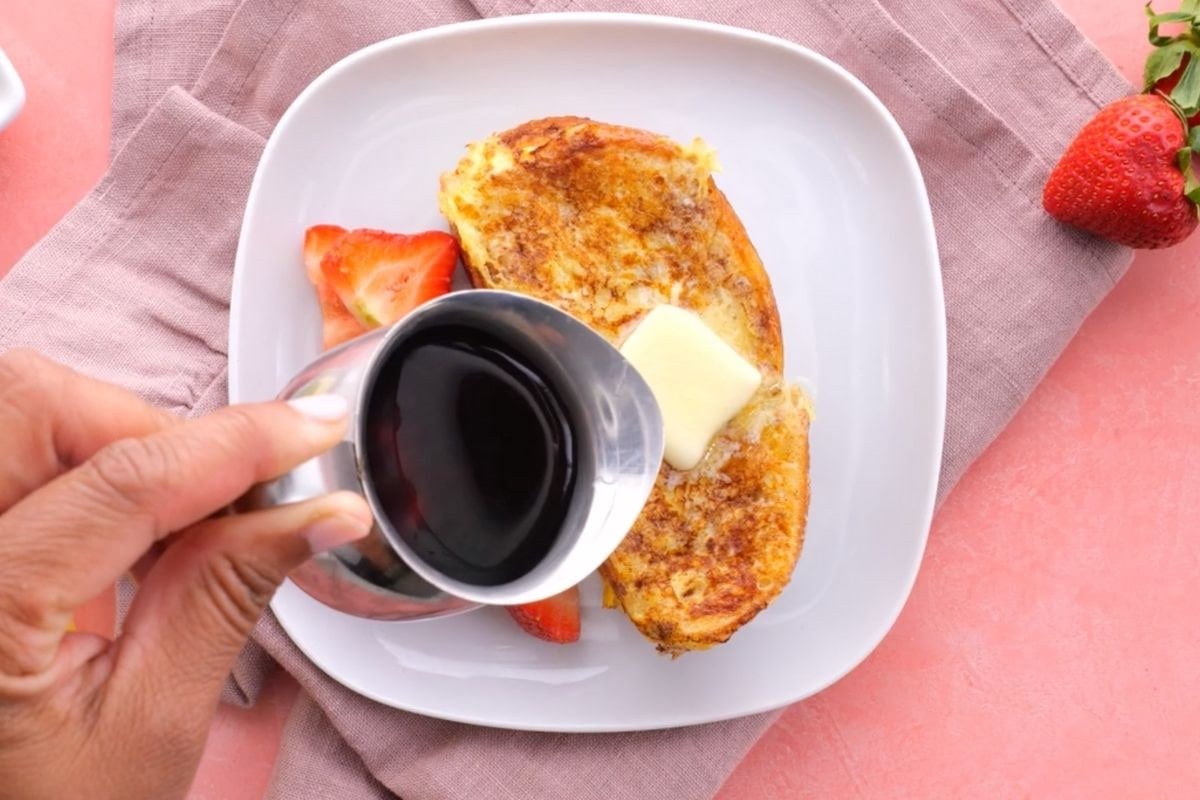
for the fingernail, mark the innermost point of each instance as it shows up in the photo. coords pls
(347, 518)
(330, 532)
(322, 407)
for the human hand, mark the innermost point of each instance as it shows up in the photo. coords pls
(92, 480)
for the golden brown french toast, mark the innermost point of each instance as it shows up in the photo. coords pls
(608, 222)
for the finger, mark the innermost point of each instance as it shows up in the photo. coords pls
(81, 659)
(52, 418)
(200, 601)
(65, 542)
(141, 568)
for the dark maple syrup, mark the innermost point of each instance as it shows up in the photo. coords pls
(471, 453)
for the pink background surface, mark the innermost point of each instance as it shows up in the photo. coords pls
(1050, 647)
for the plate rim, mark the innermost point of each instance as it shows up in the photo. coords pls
(933, 290)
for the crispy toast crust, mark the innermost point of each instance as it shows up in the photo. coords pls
(608, 222)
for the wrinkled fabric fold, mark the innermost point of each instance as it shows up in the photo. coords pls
(132, 286)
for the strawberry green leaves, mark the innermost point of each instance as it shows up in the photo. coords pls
(1173, 53)
(1173, 68)
(1191, 185)
(1158, 20)
(1164, 60)
(1173, 71)
(1186, 93)
(1189, 12)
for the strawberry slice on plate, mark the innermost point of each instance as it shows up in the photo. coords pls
(338, 324)
(381, 276)
(317, 242)
(555, 619)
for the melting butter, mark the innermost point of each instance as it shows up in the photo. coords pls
(699, 381)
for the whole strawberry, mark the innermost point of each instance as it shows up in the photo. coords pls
(1121, 177)
(1128, 175)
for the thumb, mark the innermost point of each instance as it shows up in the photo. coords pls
(205, 593)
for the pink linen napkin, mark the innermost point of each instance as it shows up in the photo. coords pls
(133, 286)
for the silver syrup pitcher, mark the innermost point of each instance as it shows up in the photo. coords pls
(617, 428)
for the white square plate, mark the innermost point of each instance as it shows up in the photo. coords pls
(830, 193)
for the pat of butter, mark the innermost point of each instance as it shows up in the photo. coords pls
(699, 381)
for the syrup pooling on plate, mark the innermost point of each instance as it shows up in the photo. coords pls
(471, 453)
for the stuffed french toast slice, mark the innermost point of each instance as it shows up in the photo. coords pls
(607, 223)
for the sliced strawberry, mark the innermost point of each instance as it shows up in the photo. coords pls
(338, 324)
(382, 276)
(317, 241)
(555, 619)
